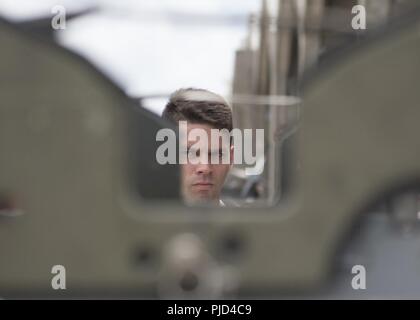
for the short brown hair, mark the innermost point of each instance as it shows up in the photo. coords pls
(198, 106)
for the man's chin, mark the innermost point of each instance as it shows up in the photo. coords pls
(201, 199)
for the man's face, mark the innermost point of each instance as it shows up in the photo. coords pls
(203, 181)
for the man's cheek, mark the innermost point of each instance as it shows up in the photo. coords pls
(224, 171)
(183, 177)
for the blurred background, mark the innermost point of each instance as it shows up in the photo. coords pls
(259, 54)
(150, 48)
(253, 52)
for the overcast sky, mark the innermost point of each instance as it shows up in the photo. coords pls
(152, 47)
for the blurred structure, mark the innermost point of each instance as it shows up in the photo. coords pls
(284, 40)
(80, 187)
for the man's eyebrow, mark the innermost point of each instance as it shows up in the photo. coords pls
(217, 150)
(192, 148)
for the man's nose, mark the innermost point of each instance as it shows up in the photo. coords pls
(204, 168)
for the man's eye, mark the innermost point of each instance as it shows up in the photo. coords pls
(194, 153)
(218, 154)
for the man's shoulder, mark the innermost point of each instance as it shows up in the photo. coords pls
(228, 203)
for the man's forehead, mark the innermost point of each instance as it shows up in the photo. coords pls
(208, 128)
(202, 134)
(196, 146)
(199, 125)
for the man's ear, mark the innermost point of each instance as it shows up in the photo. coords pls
(232, 154)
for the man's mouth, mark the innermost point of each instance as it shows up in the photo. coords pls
(203, 185)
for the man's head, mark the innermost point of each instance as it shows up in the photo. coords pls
(202, 109)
